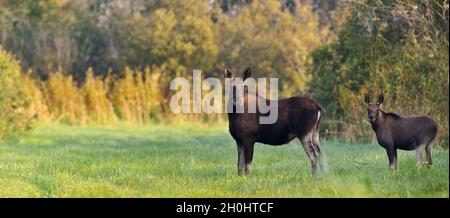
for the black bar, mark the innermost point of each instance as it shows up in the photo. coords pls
(226, 206)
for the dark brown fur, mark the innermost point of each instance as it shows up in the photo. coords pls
(395, 132)
(297, 118)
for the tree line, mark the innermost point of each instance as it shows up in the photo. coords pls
(333, 51)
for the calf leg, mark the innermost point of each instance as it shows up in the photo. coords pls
(419, 152)
(310, 150)
(241, 160)
(428, 150)
(392, 155)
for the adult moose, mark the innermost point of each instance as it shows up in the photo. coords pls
(395, 132)
(297, 117)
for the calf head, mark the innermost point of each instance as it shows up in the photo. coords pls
(373, 109)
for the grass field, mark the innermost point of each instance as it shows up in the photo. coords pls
(159, 161)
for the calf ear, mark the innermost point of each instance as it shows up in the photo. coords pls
(246, 74)
(380, 99)
(228, 73)
(367, 98)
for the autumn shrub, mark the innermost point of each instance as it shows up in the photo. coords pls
(98, 107)
(134, 98)
(38, 108)
(64, 99)
(14, 102)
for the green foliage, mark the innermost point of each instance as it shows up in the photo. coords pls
(398, 48)
(111, 39)
(331, 51)
(13, 100)
(177, 36)
(180, 33)
(148, 161)
(38, 33)
(274, 42)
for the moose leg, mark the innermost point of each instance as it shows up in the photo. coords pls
(241, 160)
(392, 155)
(248, 156)
(308, 146)
(428, 150)
(316, 143)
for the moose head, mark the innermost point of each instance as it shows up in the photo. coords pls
(238, 85)
(373, 109)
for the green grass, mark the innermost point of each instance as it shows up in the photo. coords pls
(159, 161)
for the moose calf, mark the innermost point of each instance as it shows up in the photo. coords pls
(297, 118)
(395, 132)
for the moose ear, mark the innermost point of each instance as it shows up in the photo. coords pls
(367, 98)
(228, 73)
(380, 99)
(246, 74)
